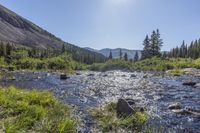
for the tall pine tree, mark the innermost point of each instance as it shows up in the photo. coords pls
(110, 55)
(126, 57)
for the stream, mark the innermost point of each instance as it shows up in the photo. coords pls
(155, 91)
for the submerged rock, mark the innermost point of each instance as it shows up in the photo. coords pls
(197, 85)
(175, 106)
(181, 111)
(189, 83)
(91, 74)
(193, 111)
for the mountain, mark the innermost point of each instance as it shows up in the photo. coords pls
(18, 30)
(115, 52)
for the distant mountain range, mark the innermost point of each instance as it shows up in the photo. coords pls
(115, 52)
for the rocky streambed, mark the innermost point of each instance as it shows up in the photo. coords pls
(171, 104)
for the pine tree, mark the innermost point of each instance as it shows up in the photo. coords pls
(146, 49)
(152, 46)
(2, 49)
(126, 57)
(63, 48)
(136, 57)
(155, 43)
(120, 54)
(8, 49)
(110, 55)
(159, 41)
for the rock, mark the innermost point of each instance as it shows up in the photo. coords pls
(105, 75)
(145, 76)
(123, 75)
(78, 73)
(189, 83)
(130, 101)
(187, 97)
(181, 111)
(90, 74)
(193, 111)
(11, 78)
(188, 111)
(133, 76)
(10, 68)
(63, 76)
(123, 108)
(175, 106)
(197, 85)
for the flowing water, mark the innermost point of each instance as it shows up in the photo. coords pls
(154, 91)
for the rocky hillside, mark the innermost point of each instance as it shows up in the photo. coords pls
(18, 30)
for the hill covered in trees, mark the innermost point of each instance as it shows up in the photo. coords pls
(18, 31)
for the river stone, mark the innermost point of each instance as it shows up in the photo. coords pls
(175, 106)
(189, 83)
(78, 73)
(193, 111)
(181, 111)
(133, 76)
(63, 76)
(197, 85)
(123, 108)
(91, 74)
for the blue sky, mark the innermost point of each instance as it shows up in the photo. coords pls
(113, 23)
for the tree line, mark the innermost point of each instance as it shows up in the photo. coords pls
(8, 50)
(186, 51)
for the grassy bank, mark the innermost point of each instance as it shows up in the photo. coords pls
(153, 64)
(62, 62)
(33, 111)
(107, 119)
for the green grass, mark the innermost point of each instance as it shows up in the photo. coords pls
(108, 121)
(33, 111)
(153, 64)
(176, 72)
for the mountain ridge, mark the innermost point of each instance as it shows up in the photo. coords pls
(115, 52)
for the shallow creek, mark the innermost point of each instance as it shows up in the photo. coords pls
(154, 91)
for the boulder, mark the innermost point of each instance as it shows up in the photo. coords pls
(63, 76)
(189, 83)
(123, 108)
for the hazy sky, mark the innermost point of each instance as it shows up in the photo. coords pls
(113, 23)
